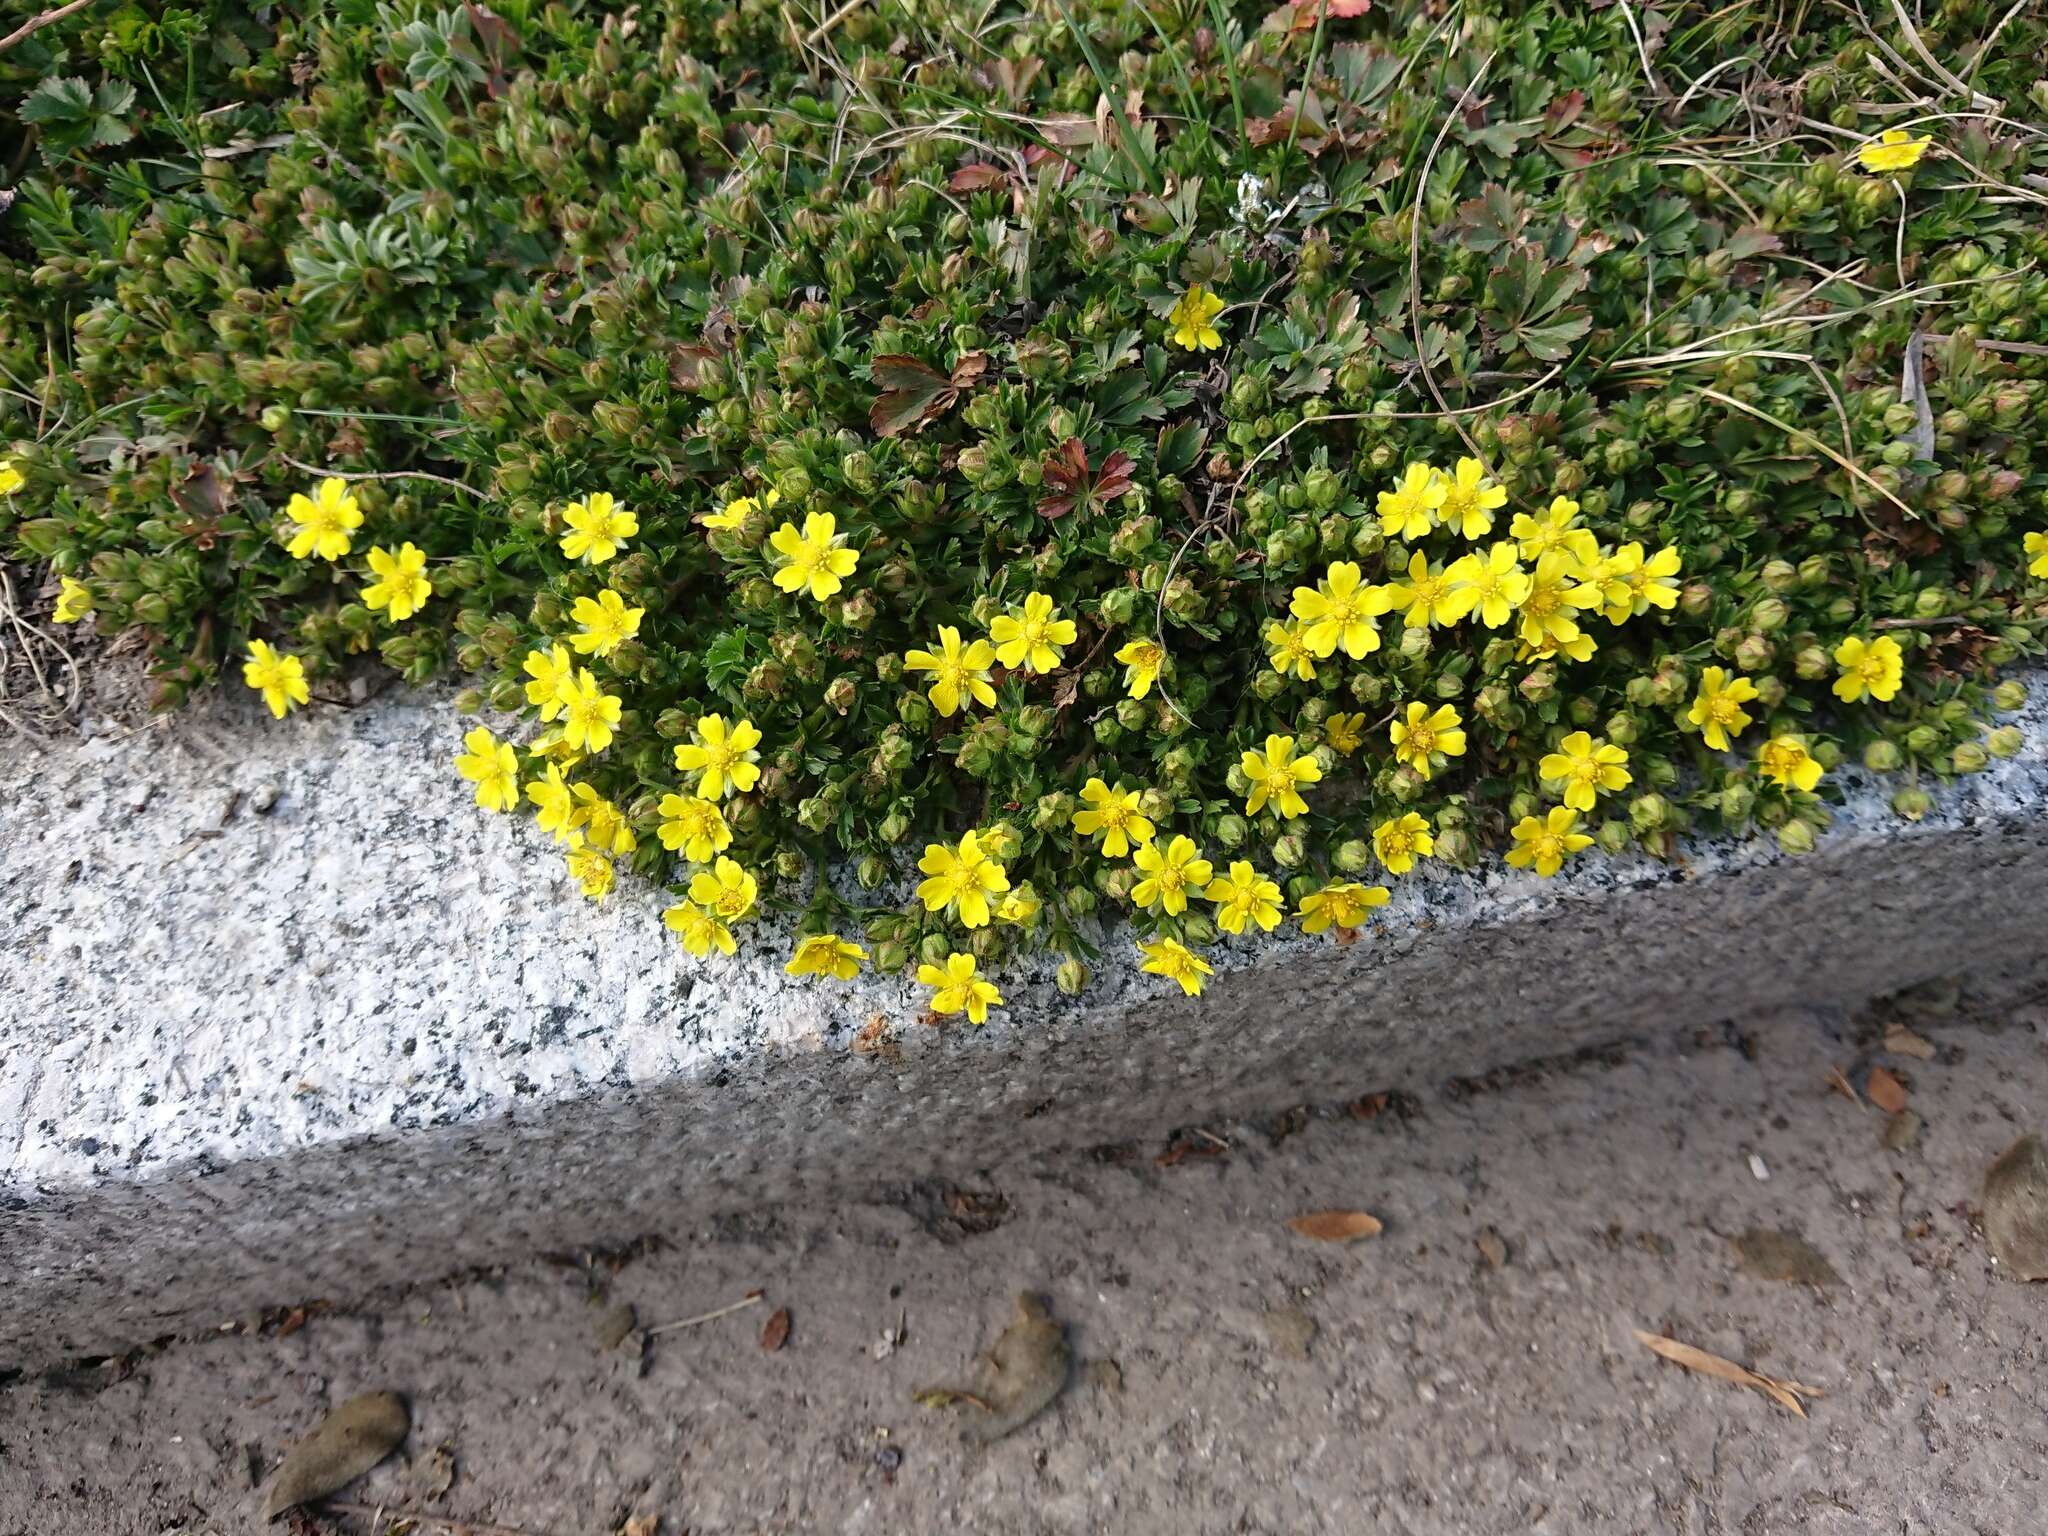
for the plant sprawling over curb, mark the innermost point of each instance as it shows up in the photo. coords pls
(1163, 459)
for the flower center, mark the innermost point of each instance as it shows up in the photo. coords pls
(1422, 738)
(1723, 709)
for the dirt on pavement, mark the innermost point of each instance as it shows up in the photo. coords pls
(1471, 1369)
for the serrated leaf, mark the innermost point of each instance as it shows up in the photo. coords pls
(725, 659)
(61, 100)
(1179, 447)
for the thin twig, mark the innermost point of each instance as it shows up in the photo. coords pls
(751, 1299)
(375, 474)
(37, 23)
(825, 26)
(445, 1522)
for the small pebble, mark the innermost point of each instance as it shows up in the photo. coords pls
(888, 1458)
(1757, 1168)
(263, 798)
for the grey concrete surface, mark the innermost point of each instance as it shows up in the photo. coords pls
(285, 1013)
(1268, 1386)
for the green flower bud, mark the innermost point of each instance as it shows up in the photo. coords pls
(1738, 799)
(1812, 662)
(913, 710)
(1053, 813)
(1796, 837)
(1613, 836)
(2009, 696)
(1352, 856)
(2005, 741)
(1156, 805)
(1753, 653)
(1923, 741)
(1769, 615)
(1969, 757)
(1457, 847)
(1289, 850)
(1912, 803)
(1882, 755)
(895, 827)
(1647, 813)
(469, 702)
(1780, 576)
(275, 417)
(1622, 730)
(1072, 977)
(1231, 830)
(933, 948)
(891, 956)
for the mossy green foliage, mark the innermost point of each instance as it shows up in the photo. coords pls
(540, 251)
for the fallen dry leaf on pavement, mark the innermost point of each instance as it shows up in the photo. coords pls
(1022, 1373)
(775, 1332)
(435, 1473)
(1901, 1041)
(1336, 1226)
(1780, 1254)
(641, 1525)
(1885, 1091)
(1784, 1393)
(345, 1445)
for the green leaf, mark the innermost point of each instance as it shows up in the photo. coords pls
(67, 99)
(725, 659)
(1180, 446)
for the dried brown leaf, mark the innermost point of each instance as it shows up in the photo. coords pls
(1885, 1091)
(775, 1332)
(977, 178)
(1786, 1394)
(344, 1445)
(1901, 1041)
(1336, 1226)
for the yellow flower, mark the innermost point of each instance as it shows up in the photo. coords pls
(1652, 582)
(1717, 712)
(1277, 775)
(492, 766)
(551, 745)
(1287, 652)
(1550, 610)
(598, 525)
(1579, 649)
(554, 805)
(1470, 500)
(1492, 584)
(1399, 841)
(602, 822)
(826, 954)
(1192, 324)
(1875, 667)
(1785, 761)
(1893, 150)
(1170, 871)
(722, 759)
(693, 827)
(956, 989)
(1604, 585)
(700, 931)
(964, 877)
(1142, 660)
(816, 560)
(551, 672)
(11, 479)
(1585, 767)
(1176, 962)
(1340, 904)
(401, 587)
(279, 677)
(1548, 842)
(1019, 907)
(1344, 733)
(1548, 534)
(1429, 595)
(739, 509)
(590, 716)
(725, 890)
(324, 520)
(1113, 813)
(1410, 509)
(2037, 548)
(955, 670)
(1244, 895)
(1424, 733)
(607, 623)
(1339, 610)
(589, 868)
(74, 601)
(1032, 634)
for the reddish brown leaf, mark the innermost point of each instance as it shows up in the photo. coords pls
(775, 1332)
(1885, 1091)
(686, 366)
(1336, 1226)
(1070, 483)
(977, 178)
(913, 393)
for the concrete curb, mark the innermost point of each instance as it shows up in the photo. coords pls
(290, 1018)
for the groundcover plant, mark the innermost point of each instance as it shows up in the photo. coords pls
(1175, 462)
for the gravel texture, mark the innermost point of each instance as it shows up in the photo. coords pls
(257, 972)
(1269, 1386)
